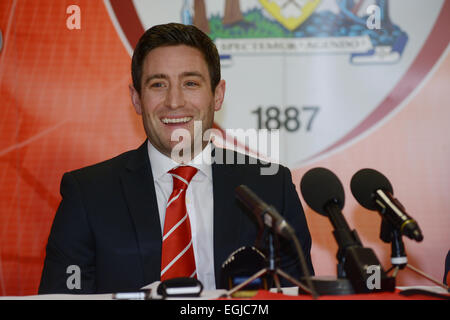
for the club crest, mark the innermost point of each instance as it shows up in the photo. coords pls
(323, 73)
(290, 13)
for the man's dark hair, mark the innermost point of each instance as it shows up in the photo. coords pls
(173, 34)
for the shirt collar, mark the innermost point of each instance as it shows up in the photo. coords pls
(161, 164)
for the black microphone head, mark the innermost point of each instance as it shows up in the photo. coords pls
(319, 187)
(364, 184)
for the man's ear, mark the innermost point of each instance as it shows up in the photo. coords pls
(219, 95)
(135, 99)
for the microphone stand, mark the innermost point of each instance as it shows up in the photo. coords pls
(399, 259)
(272, 269)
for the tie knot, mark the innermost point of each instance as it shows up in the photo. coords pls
(182, 176)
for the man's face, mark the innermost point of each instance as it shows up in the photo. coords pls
(175, 92)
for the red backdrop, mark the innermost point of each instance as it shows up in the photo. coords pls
(65, 104)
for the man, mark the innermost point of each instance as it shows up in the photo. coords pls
(123, 224)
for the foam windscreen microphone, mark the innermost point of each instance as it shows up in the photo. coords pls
(373, 191)
(363, 185)
(323, 192)
(320, 187)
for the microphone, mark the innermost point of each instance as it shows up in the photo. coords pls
(260, 209)
(324, 193)
(373, 191)
(280, 226)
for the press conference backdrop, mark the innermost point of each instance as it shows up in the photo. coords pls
(349, 85)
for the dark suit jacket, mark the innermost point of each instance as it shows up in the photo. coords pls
(108, 224)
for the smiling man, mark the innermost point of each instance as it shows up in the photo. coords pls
(174, 91)
(143, 216)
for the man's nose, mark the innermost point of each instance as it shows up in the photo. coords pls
(175, 97)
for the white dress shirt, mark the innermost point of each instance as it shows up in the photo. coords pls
(199, 204)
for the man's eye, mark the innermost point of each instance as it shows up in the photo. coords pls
(157, 85)
(191, 84)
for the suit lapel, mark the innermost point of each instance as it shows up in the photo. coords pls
(227, 220)
(139, 190)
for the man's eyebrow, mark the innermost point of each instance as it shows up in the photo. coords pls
(155, 76)
(192, 73)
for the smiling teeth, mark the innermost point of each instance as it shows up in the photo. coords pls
(176, 120)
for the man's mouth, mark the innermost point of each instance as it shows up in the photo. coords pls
(176, 120)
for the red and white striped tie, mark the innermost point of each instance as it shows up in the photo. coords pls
(177, 251)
